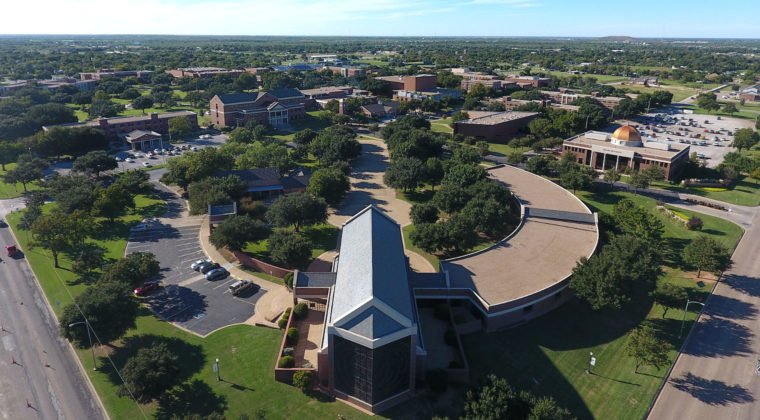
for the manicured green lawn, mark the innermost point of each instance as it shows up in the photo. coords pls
(247, 354)
(324, 237)
(550, 354)
(13, 191)
(441, 126)
(601, 78)
(746, 192)
(504, 149)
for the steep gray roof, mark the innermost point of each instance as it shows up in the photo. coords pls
(236, 98)
(285, 93)
(371, 265)
(372, 323)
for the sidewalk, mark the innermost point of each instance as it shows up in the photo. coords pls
(271, 304)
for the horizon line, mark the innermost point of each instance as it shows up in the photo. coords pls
(380, 36)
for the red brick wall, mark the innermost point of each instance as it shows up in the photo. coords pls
(251, 262)
(421, 83)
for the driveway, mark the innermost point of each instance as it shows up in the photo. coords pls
(367, 186)
(187, 299)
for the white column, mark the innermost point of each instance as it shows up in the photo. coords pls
(617, 161)
(604, 161)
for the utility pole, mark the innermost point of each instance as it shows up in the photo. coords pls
(685, 309)
(89, 337)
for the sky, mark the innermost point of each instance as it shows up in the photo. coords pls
(556, 18)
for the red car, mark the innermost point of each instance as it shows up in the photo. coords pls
(147, 287)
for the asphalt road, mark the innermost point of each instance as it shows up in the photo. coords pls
(717, 375)
(39, 376)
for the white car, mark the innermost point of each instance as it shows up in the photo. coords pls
(147, 164)
(194, 266)
(129, 160)
(194, 149)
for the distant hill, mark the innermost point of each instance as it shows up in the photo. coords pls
(617, 38)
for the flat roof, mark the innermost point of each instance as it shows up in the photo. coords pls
(491, 118)
(541, 253)
(601, 139)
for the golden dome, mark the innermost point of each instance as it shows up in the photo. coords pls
(626, 133)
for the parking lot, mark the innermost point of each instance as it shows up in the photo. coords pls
(129, 159)
(187, 298)
(708, 135)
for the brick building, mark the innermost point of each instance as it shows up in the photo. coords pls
(115, 128)
(498, 127)
(276, 108)
(116, 74)
(203, 72)
(346, 71)
(567, 97)
(534, 82)
(751, 93)
(415, 83)
(626, 149)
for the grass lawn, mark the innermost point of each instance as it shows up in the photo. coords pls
(549, 355)
(504, 149)
(81, 115)
(441, 126)
(13, 191)
(746, 192)
(247, 354)
(747, 112)
(601, 78)
(324, 237)
(679, 92)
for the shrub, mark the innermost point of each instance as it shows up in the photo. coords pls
(694, 223)
(291, 337)
(282, 322)
(288, 280)
(441, 311)
(300, 311)
(303, 380)
(286, 362)
(450, 337)
(437, 380)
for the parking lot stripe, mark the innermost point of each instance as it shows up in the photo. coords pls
(191, 280)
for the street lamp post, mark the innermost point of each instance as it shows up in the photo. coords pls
(685, 309)
(591, 363)
(216, 369)
(89, 337)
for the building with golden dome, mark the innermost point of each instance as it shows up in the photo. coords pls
(626, 150)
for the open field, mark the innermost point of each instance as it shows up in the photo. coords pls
(601, 78)
(549, 355)
(324, 237)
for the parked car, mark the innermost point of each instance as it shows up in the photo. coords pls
(209, 267)
(129, 160)
(195, 266)
(194, 149)
(147, 164)
(240, 286)
(147, 287)
(215, 274)
(2, 223)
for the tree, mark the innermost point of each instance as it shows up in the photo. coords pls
(179, 127)
(578, 179)
(192, 167)
(539, 165)
(694, 223)
(236, 231)
(34, 202)
(335, 144)
(87, 259)
(94, 163)
(297, 210)
(423, 213)
(132, 270)
(58, 231)
(463, 175)
(730, 108)
(745, 138)
(135, 181)
(164, 99)
(705, 253)
(626, 265)
(611, 176)
(638, 221)
(755, 174)
(109, 310)
(492, 400)
(638, 180)
(545, 408)
(646, 348)
(113, 202)
(708, 102)
(246, 81)
(459, 116)
(104, 108)
(9, 152)
(405, 173)
(653, 174)
(669, 295)
(626, 108)
(49, 114)
(331, 184)
(434, 171)
(214, 191)
(304, 137)
(142, 103)
(289, 248)
(73, 192)
(28, 169)
(150, 372)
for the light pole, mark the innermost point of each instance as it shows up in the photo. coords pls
(587, 117)
(216, 369)
(591, 363)
(89, 337)
(683, 321)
